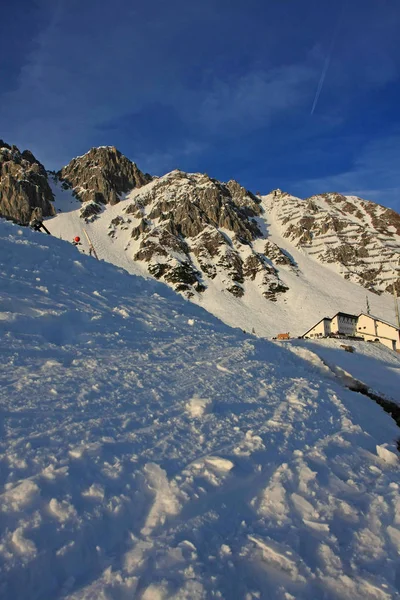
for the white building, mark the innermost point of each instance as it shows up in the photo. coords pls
(368, 327)
(340, 324)
(321, 329)
(344, 324)
(374, 329)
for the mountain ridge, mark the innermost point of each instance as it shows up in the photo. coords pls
(208, 239)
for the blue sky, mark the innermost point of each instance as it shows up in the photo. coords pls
(225, 87)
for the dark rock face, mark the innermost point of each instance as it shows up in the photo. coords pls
(183, 217)
(191, 229)
(102, 175)
(90, 209)
(23, 185)
(271, 284)
(361, 237)
(278, 256)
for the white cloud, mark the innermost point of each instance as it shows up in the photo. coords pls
(256, 97)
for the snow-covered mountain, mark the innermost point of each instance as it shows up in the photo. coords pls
(267, 264)
(242, 257)
(361, 239)
(149, 451)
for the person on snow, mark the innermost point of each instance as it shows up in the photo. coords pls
(36, 222)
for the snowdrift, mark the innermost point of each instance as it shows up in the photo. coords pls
(150, 451)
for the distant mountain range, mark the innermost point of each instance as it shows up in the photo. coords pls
(262, 262)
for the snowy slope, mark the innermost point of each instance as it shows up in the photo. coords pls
(149, 451)
(314, 290)
(373, 365)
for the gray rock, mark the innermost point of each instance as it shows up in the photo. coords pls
(23, 185)
(192, 228)
(102, 175)
(361, 237)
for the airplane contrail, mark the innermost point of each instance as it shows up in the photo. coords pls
(326, 63)
(321, 80)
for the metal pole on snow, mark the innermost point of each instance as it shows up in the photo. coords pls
(91, 247)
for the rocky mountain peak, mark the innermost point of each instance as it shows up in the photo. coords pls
(358, 237)
(101, 176)
(23, 185)
(194, 231)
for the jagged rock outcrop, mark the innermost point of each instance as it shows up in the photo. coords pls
(270, 283)
(361, 238)
(23, 185)
(192, 230)
(278, 256)
(100, 176)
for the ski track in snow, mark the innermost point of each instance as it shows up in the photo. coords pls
(149, 451)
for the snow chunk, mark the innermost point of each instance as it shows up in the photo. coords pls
(225, 551)
(156, 592)
(19, 497)
(197, 407)
(316, 526)
(96, 492)
(394, 535)
(251, 443)
(23, 546)
(219, 464)
(387, 455)
(63, 511)
(277, 557)
(122, 311)
(224, 369)
(304, 507)
(7, 316)
(165, 501)
(272, 503)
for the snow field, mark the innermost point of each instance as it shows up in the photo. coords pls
(149, 451)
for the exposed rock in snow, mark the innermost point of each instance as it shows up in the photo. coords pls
(23, 185)
(360, 238)
(101, 175)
